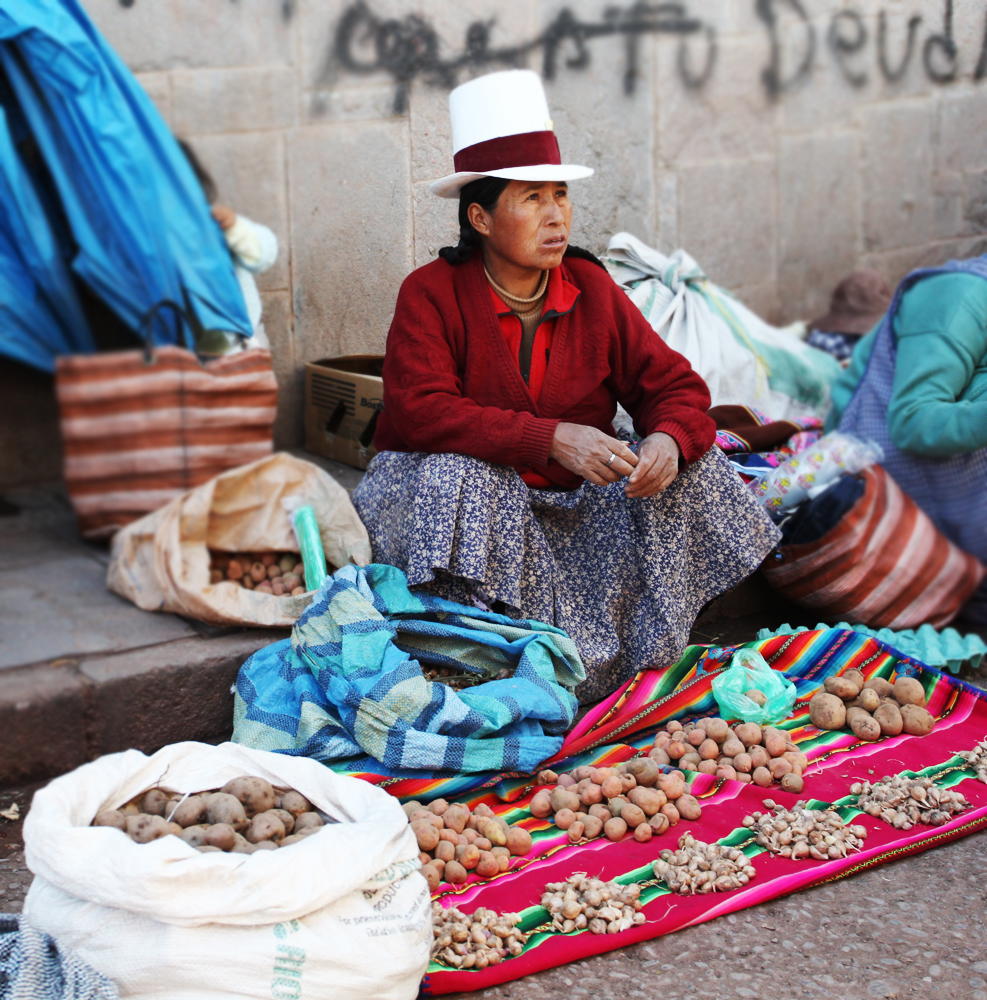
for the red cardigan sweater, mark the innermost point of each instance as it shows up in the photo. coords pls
(452, 385)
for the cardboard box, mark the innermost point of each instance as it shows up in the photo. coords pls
(343, 398)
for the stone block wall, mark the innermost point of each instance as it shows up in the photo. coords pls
(783, 143)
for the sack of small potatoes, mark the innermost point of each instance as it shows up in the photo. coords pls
(179, 558)
(339, 912)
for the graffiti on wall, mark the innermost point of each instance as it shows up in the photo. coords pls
(410, 49)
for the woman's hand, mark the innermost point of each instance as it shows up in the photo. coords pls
(657, 466)
(586, 450)
(225, 216)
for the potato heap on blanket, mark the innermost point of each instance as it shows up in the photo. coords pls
(454, 841)
(634, 796)
(873, 708)
(244, 816)
(745, 752)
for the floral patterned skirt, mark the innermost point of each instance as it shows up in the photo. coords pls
(625, 578)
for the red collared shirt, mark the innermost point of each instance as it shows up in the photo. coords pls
(560, 298)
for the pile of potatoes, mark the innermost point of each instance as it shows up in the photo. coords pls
(454, 841)
(744, 752)
(244, 816)
(276, 573)
(873, 708)
(635, 796)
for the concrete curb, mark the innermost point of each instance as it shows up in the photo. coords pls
(56, 716)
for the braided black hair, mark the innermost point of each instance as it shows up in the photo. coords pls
(485, 192)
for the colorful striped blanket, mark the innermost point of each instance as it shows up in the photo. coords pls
(348, 687)
(623, 727)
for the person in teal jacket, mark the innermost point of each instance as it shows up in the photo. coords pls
(917, 384)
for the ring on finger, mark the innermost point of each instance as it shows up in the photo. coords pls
(609, 461)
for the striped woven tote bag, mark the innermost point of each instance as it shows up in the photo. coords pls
(885, 564)
(142, 427)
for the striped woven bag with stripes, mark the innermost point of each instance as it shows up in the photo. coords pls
(137, 434)
(885, 564)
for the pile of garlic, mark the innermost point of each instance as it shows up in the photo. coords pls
(902, 801)
(584, 903)
(699, 867)
(978, 758)
(801, 833)
(475, 940)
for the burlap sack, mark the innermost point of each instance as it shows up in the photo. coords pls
(161, 562)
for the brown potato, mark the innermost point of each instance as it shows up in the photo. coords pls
(311, 821)
(676, 749)
(853, 713)
(726, 772)
(562, 798)
(880, 685)
(195, 835)
(758, 697)
(143, 828)
(842, 688)
(111, 817)
(468, 857)
(455, 873)
(779, 767)
(759, 756)
(444, 851)
(519, 841)
(632, 815)
(483, 844)
(688, 807)
(612, 787)
(591, 794)
(265, 826)
(826, 711)
(865, 727)
(456, 817)
(869, 699)
(432, 876)
(709, 750)
(797, 759)
(221, 835)
(659, 756)
(295, 803)
(671, 813)
(487, 866)
(287, 820)
(273, 572)
(192, 811)
(792, 783)
(916, 721)
(564, 818)
(255, 794)
(615, 829)
(234, 571)
(650, 800)
(888, 717)
(494, 829)
(696, 737)
(258, 572)
(576, 832)
(601, 812)
(716, 729)
(221, 807)
(154, 802)
(732, 747)
(645, 771)
(593, 827)
(541, 805)
(672, 784)
(762, 776)
(776, 742)
(749, 733)
(907, 691)
(743, 763)
(708, 767)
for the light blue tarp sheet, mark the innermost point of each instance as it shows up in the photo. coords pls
(116, 202)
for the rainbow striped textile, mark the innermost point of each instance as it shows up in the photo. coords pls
(624, 726)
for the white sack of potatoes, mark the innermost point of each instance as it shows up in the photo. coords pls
(344, 913)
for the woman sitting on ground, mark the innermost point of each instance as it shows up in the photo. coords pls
(499, 478)
(917, 385)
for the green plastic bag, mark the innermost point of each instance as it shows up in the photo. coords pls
(748, 672)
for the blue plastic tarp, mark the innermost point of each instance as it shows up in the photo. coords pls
(138, 225)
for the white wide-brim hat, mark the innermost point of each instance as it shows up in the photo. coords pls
(501, 128)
